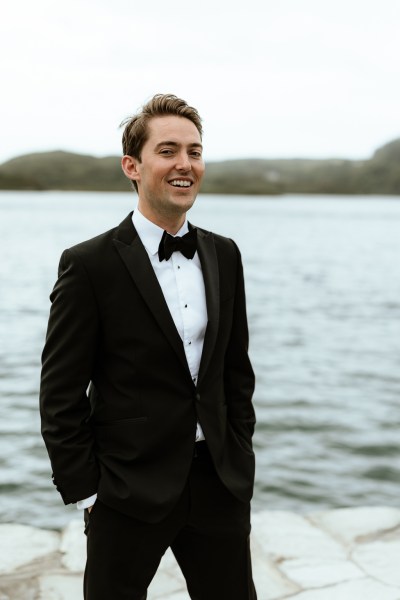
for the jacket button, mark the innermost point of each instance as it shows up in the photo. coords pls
(197, 397)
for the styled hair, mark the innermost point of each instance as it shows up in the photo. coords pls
(136, 130)
(135, 133)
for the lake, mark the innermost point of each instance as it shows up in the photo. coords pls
(323, 296)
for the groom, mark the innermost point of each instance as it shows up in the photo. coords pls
(146, 390)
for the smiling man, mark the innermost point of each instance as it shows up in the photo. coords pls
(150, 318)
(168, 171)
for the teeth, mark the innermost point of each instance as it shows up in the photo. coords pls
(181, 183)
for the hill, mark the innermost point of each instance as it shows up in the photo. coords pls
(67, 171)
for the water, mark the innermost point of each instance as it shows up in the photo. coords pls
(323, 290)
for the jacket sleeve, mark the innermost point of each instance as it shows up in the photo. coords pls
(67, 365)
(239, 377)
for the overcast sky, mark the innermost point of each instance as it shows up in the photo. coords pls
(288, 78)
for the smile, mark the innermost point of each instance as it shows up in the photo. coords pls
(180, 183)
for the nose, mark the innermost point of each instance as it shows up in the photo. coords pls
(183, 163)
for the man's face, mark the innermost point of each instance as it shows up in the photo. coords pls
(171, 168)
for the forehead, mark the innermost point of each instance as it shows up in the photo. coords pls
(172, 128)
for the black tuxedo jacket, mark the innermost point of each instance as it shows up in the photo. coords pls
(118, 404)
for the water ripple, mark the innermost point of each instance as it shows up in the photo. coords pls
(323, 304)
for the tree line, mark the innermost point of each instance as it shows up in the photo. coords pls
(61, 170)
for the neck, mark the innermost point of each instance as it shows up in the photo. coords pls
(170, 223)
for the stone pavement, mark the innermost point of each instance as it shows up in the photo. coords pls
(345, 554)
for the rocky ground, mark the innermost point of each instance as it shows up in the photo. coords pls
(346, 554)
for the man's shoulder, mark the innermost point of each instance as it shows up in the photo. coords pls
(222, 243)
(99, 244)
(94, 244)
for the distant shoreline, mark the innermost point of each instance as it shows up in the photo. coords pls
(59, 170)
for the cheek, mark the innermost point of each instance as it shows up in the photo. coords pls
(200, 171)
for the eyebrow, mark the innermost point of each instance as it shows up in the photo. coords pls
(176, 145)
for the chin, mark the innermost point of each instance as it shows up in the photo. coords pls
(183, 202)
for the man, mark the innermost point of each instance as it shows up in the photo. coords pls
(152, 315)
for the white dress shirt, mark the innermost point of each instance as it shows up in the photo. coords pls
(182, 284)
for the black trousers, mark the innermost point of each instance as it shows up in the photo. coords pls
(208, 532)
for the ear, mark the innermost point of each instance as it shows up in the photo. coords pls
(129, 166)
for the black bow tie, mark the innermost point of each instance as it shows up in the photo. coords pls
(187, 245)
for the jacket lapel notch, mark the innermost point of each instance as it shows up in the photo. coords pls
(137, 262)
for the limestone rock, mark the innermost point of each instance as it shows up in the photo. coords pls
(318, 571)
(270, 582)
(364, 589)
(381, 560)
(283, 536)
(73, 547)
(346, 554)
(348, 525)
(22, 544)
(60, 587)
(168, 579)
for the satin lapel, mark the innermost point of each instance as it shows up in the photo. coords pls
(134, 255)
(209, 265)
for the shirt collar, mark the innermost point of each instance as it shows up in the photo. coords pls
(150, 234)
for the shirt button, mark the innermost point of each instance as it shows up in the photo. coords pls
(185, 305)
(190, 343)
(178, 267)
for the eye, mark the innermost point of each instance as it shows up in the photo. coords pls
(166, 151)
(196, 154)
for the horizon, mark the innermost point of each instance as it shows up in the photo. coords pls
(210, 160)
(288, 79)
